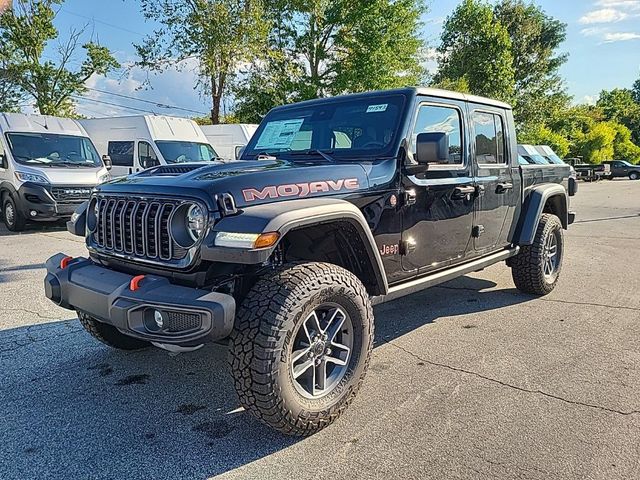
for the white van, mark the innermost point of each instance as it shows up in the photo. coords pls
(48, 166)
(142, 141)
(229, 140)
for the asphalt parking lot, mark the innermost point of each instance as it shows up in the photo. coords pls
(468, 380)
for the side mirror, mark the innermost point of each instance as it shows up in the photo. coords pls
(106, 159)
(432, 147)
(239, 151)
(3, 161)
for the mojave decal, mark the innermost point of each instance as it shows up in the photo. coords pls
(300, 189)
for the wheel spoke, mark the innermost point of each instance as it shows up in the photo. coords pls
(335, 324)
(298, 354)
(303, 367)
(315, 322)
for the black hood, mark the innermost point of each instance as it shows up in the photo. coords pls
(250, 182)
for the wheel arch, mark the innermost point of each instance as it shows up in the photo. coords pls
(542, 199)
(335, 229)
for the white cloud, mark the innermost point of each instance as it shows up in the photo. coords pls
(605, 15)
(628, 5)
(620, 37)
(590, 99)
(593, 31)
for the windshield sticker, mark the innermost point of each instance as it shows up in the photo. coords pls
(377, 108)
(279, 134)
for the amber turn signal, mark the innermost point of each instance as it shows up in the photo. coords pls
(266, 240)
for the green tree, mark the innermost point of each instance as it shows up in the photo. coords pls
(542, 135)
(219, 34)
(476, 47)
(25, 32)
(623, 147)
(322, 47)
(636, 91)
(535, 40)
(620, 106)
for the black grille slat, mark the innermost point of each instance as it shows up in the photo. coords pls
(137, 227)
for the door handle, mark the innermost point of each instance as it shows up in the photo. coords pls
(463, 192)
(504, 187)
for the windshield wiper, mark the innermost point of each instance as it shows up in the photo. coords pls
(314, 151)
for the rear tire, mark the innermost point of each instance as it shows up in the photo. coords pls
(634, 176)
(109, 335)
(301, 346)
(13, 218)
(537, 267)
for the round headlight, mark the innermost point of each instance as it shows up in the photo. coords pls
(195, 221)
(92, 215)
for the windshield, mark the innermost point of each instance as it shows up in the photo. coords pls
(537, 159)
(182, 152)
(625, 163)
(343, 128)
(553, 158)
(53, 150)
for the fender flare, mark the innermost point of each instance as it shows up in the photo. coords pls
(533, 208)
(7, 188)
(282, 217)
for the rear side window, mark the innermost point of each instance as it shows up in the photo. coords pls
(490, 139)
(121, 153)
(441, 119)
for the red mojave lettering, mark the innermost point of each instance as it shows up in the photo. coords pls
(299, 189)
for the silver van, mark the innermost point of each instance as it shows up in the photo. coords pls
(48, 166)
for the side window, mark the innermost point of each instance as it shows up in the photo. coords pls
(432, 118)
(121, 153)
(146, 154)
(490, 138)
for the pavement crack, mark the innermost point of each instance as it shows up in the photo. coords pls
(511, 386)
(32, 312)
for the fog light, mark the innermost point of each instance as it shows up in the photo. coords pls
(33, 213)
(159, 318)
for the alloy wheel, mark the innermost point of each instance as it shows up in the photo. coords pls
(550, 256)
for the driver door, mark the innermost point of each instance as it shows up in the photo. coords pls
(147, 156)
(440, 198)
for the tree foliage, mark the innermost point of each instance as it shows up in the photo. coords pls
(476, 48)
(619, 105)
(322, 47)
(218, 34)
(25, 31)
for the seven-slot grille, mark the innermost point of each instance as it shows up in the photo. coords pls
(137, 227)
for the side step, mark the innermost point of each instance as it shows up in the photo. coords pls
(412, 286)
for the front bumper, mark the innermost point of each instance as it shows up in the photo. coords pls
(189, 316)
(39, 199)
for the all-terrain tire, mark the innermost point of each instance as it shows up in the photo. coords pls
(528, 267)
(13, 218)
(261, 345)
(109, 335)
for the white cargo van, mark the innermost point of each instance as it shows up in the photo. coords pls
(48, 166)
(229, 140)
(142, 141)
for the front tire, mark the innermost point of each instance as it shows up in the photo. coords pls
(301, 346)
(109, 335)
(13, 218)
(537, 267)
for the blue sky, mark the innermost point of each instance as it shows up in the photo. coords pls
(603, 42)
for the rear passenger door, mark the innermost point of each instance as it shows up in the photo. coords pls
(494, 178)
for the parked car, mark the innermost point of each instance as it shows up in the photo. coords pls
(48, 166)
(550, 156)
(621, 168)
(137, 142)
(285, 257)
(228, 140)
(588, 172)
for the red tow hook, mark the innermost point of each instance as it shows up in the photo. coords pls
(135, 282)
(65, 262)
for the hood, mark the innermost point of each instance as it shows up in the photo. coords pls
(254, 182)
(84, 176)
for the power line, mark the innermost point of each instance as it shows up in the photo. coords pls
(78, 97)
(160, 105)
(93, 19)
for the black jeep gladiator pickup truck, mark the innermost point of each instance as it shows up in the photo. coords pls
(338, 204)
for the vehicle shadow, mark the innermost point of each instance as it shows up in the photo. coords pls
(34, 227)
(73, 408)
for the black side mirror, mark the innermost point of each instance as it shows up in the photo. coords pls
(3, 161)
(432, 147)
(106, 159)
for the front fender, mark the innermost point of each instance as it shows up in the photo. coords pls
(283, 217)
(534, 207)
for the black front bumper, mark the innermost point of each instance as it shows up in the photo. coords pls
(39, 199)
(190, 316)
